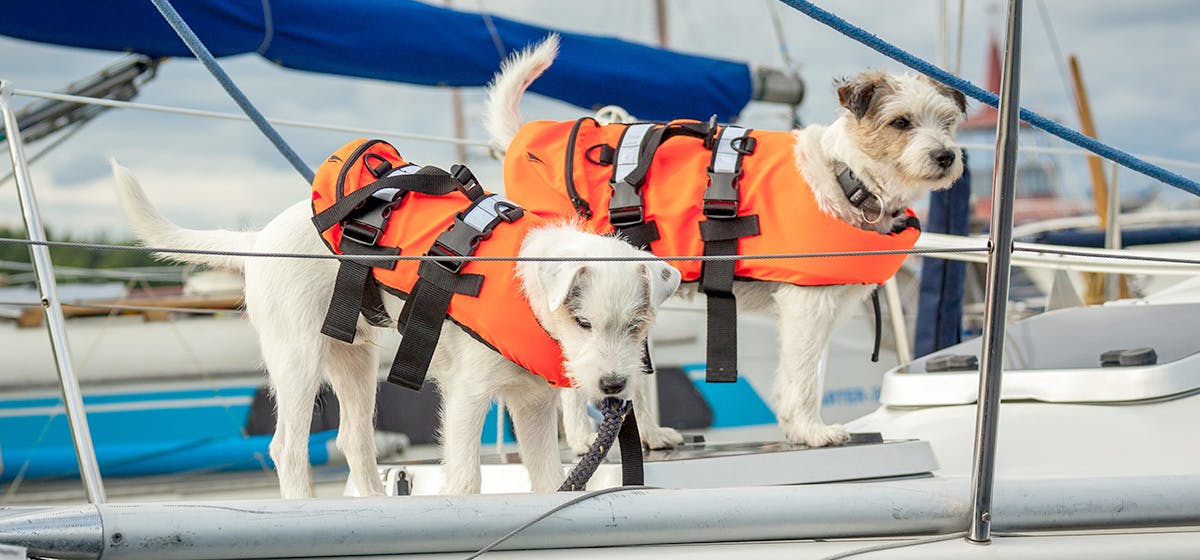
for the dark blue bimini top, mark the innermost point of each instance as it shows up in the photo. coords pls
(397, 40)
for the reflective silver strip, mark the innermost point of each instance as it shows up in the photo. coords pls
(724, 156)
(407, 169)
(485, 211)
(389, 194)
(628, 150)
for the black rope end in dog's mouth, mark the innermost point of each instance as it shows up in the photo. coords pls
(618, 414)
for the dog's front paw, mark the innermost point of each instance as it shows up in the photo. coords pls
(816, 435)
(660, 437)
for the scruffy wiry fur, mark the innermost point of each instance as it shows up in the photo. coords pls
(286, 300)
(897, 134)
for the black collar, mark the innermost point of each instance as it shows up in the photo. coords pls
(867, 202)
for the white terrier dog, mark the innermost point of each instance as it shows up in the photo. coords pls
(600, 312)
(897, 136)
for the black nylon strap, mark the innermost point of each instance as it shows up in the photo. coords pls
(721, 349)
(730, 229)
(633, 472)
(646, 151)
(716, 281)
(878, 324)
(640, 235)
(654, 139)
(354, 283)
(341, 319)
(423, 315)
(429, 180)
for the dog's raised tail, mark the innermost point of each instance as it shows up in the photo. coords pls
(156, 231)
(503, 114)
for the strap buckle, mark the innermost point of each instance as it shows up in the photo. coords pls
(466, 182)
(471, 226)
(710, 135)
(441, 250)
(361, 233)
(458, 241)
(721, 197)
(366, 224)
(626, 207)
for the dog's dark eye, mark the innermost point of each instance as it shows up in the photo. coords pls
(901, 123)
(583, 323)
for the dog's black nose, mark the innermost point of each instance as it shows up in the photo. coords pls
(611, 384)
(944, 158)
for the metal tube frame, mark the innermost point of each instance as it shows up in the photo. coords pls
(1000, 245)
(1112, 233)
(81, 435)
(904, 348)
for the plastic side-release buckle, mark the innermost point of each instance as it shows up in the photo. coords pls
(361, 233)
(626, 207)
(366, 223)
(721, 197)
(471, 226)
(458, 241)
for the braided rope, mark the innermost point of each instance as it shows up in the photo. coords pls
(614, 411)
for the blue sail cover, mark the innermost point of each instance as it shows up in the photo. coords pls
(397, 40)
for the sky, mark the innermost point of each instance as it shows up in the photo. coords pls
(1138, 60)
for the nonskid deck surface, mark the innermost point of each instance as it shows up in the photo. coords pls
(704, 465)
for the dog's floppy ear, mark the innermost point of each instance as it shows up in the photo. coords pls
(957, 96)
(859, 94)
(561, 281)
(663, 281)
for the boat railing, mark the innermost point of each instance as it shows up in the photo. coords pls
(998, 251)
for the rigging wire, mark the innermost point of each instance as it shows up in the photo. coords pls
(491, 27)
(448, 259)
(244, 118)
(638, 258)
(1059, 59)
(894, 545)
(958, 51)
(552, 511)
(131, 307)
(464, 141)
(45, 150)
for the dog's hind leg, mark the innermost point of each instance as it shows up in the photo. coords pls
(352, 371)
(534, 408)
(807, 316)
(295, 377)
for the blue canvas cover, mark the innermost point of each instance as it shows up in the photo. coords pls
(397, 40)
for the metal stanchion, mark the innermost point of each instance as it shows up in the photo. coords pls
(998, 272)
(89, 468)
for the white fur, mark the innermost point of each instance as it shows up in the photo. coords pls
(516, 74)
(806, 315)
(286, 300)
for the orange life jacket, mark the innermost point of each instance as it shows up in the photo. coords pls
(485, 298)
(716, 192)
(771, 187)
